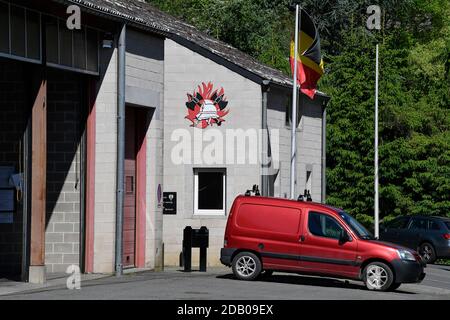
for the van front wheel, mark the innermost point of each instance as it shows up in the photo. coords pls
(246, 266)
(378, 276)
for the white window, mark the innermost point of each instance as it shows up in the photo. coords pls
(209, 191)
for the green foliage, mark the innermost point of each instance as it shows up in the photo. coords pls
(414, 91)
(414, 120)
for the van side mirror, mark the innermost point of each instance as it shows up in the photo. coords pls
(344, 237)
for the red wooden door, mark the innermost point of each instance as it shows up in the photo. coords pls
(129, 219)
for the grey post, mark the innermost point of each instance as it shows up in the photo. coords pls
(294, 108)
(324, 154)
(120, 146)
(265, 147)
(377, 217)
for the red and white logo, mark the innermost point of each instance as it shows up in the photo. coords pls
(206, 106)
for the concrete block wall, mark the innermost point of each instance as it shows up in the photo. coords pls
(12, 106)
(62, 241)
(184, 71)
(309, 146)
(145, 72)
(105, 164)
(309, 142)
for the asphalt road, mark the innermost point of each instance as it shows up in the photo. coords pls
(437, 276)
(218, 283)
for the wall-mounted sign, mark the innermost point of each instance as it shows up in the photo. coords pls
(170, 202)
(206, 106)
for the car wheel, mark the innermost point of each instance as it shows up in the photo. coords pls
(246, 266)
(378, 276)
(427, 252)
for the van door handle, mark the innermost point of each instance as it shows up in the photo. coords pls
(302, 238)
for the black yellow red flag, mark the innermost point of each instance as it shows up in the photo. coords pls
(308, 58)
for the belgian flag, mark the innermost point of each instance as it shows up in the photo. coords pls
(310, 64)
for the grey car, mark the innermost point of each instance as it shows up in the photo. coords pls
(430, 236)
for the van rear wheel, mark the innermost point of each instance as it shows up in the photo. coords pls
(378, 276)
(246, 266)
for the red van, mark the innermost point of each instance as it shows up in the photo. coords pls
(269, 234)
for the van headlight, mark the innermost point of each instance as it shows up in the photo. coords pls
(406, 255)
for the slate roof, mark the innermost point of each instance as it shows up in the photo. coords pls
(142, 14)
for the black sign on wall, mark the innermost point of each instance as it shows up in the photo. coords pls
(170, 202)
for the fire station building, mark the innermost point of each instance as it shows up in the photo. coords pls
(136, 119)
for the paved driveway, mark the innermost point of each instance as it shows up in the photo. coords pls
(218, 283)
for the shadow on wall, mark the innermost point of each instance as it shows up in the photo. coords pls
(68, 109)
(139, 44)
(13, 101)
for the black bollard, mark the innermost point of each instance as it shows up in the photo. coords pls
(187, 249)
(195, 238)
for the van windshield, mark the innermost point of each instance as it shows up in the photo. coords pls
(356, 227)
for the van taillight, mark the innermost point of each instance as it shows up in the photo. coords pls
(447, 236)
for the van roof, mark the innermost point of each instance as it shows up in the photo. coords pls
(286, 202)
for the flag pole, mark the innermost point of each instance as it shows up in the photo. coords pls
(377, 218)
(294, 106)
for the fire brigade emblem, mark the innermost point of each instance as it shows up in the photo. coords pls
(206, 106)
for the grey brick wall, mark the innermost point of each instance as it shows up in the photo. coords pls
(63, 170)
(309, 142)
(145, 71)
(105, 163)
(12, 103)
(184, 71)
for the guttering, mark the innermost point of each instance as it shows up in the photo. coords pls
(265, 167)
(121, 63)
(324, 150)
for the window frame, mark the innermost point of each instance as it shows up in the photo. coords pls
(210, 212)
(328, 216)
(25, 57)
